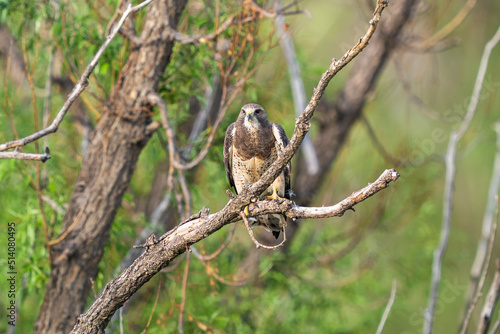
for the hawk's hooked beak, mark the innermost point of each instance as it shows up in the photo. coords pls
(249, 114)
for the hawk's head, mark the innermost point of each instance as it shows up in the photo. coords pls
(253, 116)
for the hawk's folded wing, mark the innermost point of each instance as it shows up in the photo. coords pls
(228, 147)
(282, 141)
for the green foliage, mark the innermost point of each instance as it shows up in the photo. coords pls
(337, 274)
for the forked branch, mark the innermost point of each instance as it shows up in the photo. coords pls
(162, 251)
(77, 90)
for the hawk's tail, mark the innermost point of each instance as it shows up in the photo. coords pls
(273, 223)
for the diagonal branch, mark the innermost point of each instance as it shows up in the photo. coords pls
(255, 241)
(487, 227)
(199, 38)
(480, 284)
(159, 254)
(79, 87)
(387, 308)
(25, 156)
(490, 303)
(302, 124)
(449, 181)
(298, 91)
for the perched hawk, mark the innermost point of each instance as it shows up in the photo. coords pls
(251, 145)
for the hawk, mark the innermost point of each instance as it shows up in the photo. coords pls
(251, 145)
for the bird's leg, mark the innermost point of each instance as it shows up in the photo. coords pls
(274, 195)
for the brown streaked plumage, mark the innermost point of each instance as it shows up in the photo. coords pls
(251, 145)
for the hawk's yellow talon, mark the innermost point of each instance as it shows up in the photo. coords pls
(247, 213)
(274, 195)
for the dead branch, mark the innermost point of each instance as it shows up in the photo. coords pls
(25, 156)
(231, 21)
(496, 325)
(449, 181)
(490, 303)
(439, 36)
(79, 87)
(163, 250)
(387, 308)
(175, 242)
(487, 226)
(184, 289)
(255, 241)
(293, 211)
(219, 250)
(298, 91)
(478, 294)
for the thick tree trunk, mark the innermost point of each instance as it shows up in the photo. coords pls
(106, 172)
(11, 54)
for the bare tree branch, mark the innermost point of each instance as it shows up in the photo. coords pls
(448, 29)
(387, 308)
(490, 303)
(25, 156)
(252, 236)
(298, 91)
(106, 171)
(336, 120)
(79, 87)
(489, 217)
(478, 294)
(293, 211)
(187, 39)
(496, 325)
(53, 204)
(161, 251)
(212, 256)
(175, 242)
(449, 181)
(378, 145)
(184, 289)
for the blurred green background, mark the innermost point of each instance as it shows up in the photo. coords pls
(338, 273)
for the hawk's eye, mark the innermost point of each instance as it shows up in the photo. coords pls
(257, 111)
(242, 111)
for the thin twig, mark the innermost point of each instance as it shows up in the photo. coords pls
(184, 289)
(121, 320)
(212, 100)
(302, 124)
(175, 241)
(449, 28)
(387, 308)
(449, 181)
(489, 217)
(496, 326)
(53, 204)
(48, 81)
(187, 39)
(218, 251)
(378, 145)
(490, 302)
(298, 91)
(79, 87)
(288, 207)
(257, 243)
(25, 156)
(478, 294)
(213, 273)
(153, 310)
